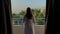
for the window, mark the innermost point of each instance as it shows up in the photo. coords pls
(38, 9)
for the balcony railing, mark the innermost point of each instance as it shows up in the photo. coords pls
(18, 21)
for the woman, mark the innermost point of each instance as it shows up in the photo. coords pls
(29, 22)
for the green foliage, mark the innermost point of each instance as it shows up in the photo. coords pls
(15, 15)
(36, 13)
(22, 12)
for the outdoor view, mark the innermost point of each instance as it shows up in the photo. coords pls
(19, 7)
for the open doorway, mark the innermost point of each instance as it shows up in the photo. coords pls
(19, 9)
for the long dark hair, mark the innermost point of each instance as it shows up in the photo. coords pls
(29, 14)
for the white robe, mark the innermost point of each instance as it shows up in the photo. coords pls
(28, 25)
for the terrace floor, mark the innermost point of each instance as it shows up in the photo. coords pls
(18, 29)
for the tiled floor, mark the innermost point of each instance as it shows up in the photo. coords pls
(39, 29)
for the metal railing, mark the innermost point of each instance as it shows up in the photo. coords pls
(18, 21)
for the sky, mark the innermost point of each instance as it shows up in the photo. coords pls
(18, 5)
